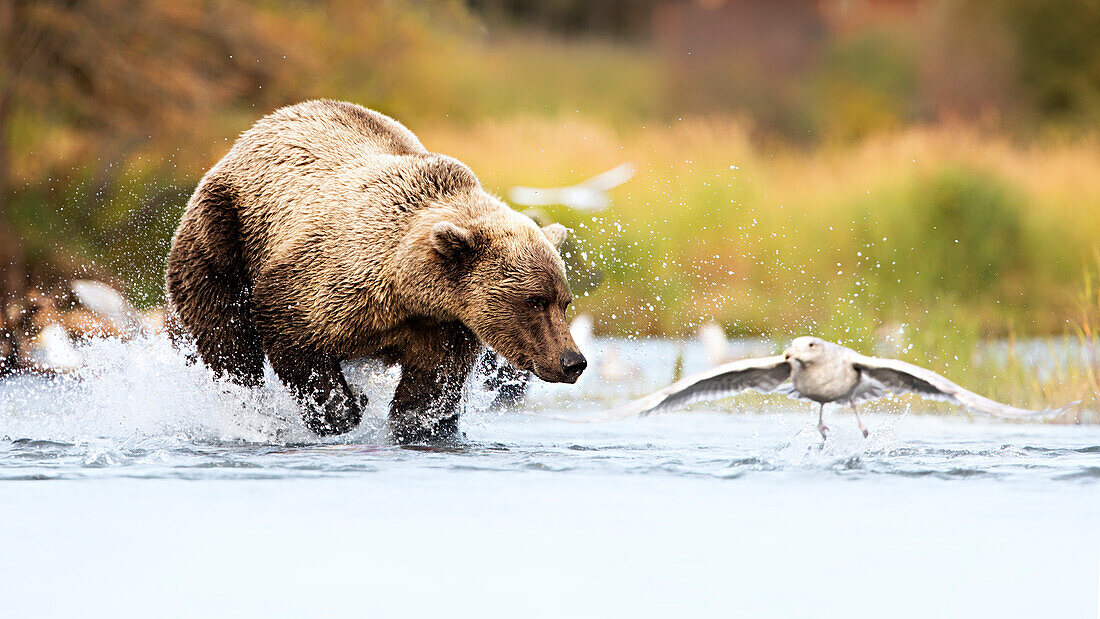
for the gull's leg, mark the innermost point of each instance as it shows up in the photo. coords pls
(821, 427)
(860, 421)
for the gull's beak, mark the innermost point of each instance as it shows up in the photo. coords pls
(787, 354)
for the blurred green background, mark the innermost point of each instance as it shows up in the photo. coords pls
(851, 168)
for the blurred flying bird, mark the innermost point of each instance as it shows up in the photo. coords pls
(581, 330)
(715, 343)
(820, 372)
(610, 366)
(613, 368)
(590, 195)
(105, 313)
(109, 304)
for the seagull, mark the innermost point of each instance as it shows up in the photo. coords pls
(590, 195)
(715, 343)
(821, 372)
(108, 304)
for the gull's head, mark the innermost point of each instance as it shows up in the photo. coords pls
(805, 350)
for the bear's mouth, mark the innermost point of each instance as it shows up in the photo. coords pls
(527, 364)
(534, 368)
(551, 377)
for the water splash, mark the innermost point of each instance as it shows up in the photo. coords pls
(140, 390)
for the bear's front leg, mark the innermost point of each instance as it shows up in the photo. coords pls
(328, 405)
(425, 406)
(310, 373)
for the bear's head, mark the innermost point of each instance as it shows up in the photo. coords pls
(509, 288)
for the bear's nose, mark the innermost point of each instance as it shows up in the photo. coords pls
(572, 364)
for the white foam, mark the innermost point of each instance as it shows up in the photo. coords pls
(144, 388)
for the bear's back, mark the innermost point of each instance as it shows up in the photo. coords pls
(304, 168)
(330, 131)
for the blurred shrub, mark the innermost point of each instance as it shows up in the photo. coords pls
(866, 84)
(967, 227)
(1059, 53)
(954, 239)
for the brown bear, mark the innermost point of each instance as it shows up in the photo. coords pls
(328, 233)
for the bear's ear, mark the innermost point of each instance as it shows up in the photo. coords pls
(556, 233)
(451, 241)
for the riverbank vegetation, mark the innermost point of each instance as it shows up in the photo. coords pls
(860, 198)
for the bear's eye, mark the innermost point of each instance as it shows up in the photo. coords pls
(539, 303)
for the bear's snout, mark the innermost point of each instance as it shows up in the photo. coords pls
(572, 364)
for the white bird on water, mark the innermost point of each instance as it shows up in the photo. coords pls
(590, 195)
(821, 372)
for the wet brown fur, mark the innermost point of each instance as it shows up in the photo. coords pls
(328, 233)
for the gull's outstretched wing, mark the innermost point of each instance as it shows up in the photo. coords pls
(901, 377)
(762, 374)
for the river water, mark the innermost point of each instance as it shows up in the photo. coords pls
(139, 487)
